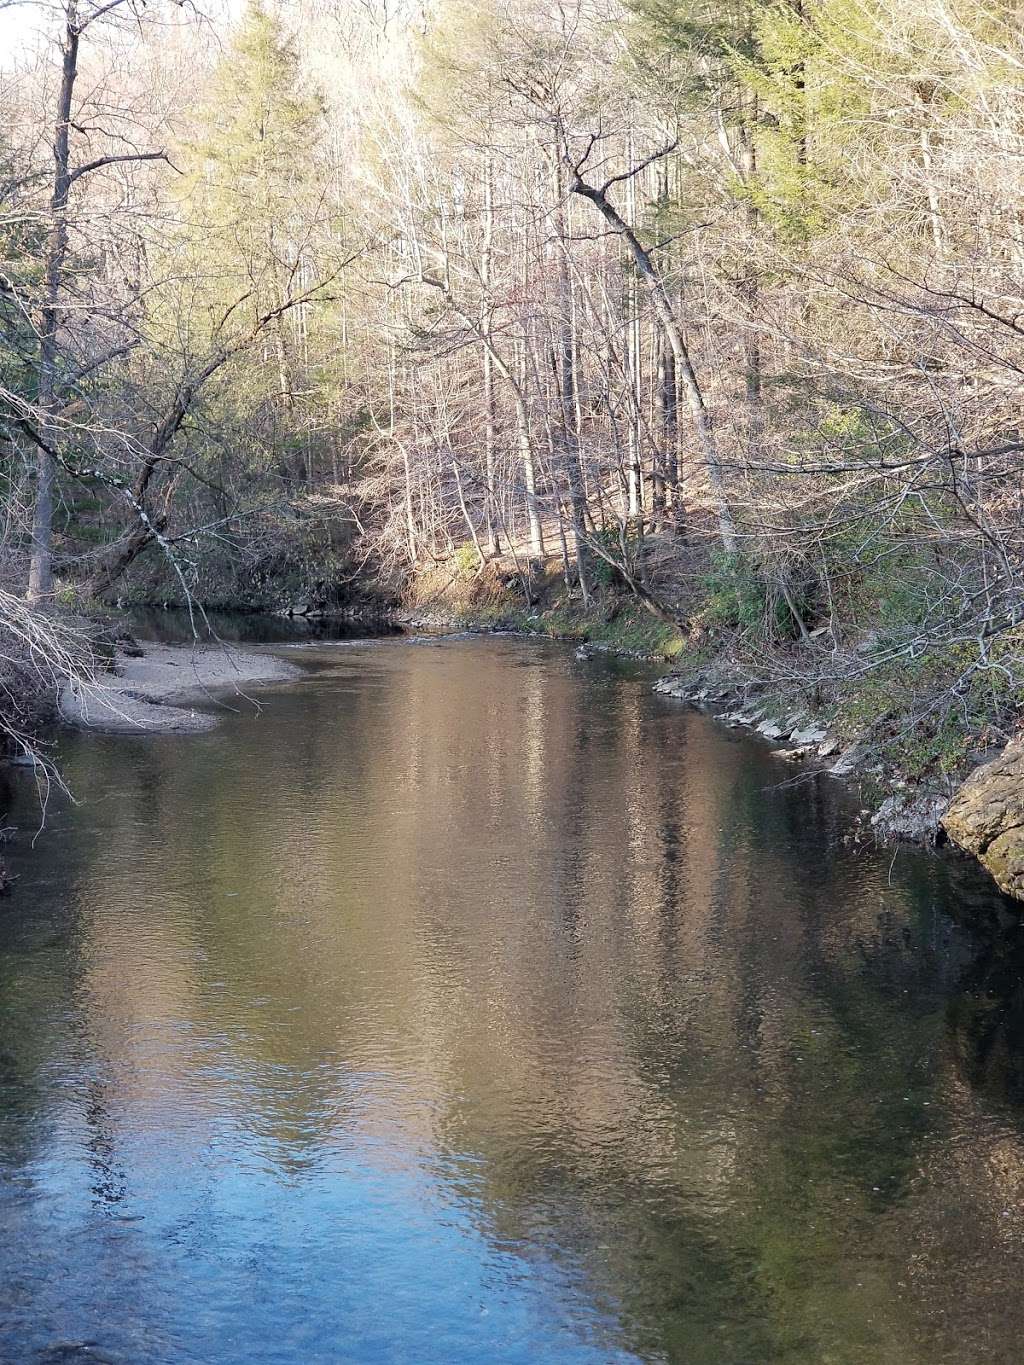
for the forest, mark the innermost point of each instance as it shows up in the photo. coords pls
(694, 325)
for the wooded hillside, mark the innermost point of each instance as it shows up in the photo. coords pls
(717, 305)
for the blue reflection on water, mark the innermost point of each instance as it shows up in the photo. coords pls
(228, 1256)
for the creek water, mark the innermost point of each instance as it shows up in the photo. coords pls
(471, 1003)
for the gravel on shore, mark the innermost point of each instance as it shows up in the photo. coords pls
(155, 694)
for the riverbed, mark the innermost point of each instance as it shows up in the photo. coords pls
(468, 1002)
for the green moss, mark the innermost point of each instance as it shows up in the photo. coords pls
(628, 628)
(67, 595)
(466, 561)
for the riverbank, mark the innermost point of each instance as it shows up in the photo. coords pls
(154, 689)
(922, 736)
(904, 804)
(826, 704)
(460, 597)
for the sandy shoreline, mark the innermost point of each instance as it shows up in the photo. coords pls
(156, 694)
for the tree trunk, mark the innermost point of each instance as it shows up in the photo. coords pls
(490, 422)
(465, 512)
(567, 389)
(750, 287)
(666, 316)
(526, 454)
(40, 579)
(667, 413)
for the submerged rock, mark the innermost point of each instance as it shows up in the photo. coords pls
(986, 818)
(671, 686)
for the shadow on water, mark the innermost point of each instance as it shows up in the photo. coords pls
(172, 626)
(472, 1003)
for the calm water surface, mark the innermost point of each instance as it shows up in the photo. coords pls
(473, 1004)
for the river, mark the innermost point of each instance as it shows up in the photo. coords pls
(471, 1003)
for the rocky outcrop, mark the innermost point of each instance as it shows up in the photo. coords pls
(910, 816)
(986, 818)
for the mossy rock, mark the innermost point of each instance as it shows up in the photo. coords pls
(986, 818)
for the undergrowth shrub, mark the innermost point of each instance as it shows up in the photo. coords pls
(740, 595)
(625, 547)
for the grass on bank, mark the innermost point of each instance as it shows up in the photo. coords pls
(458, 592)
